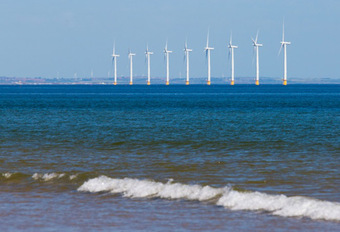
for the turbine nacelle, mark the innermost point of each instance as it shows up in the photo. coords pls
(232, 46)
(148, 53)
(167, 51)
(208, 48)
(255, 44)
(285, 43)
(131, 54)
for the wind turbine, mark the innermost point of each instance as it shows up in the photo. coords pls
(148, 53)
(207, 53)
(231, 50)
(284, 46)
(131, 73)
(166, 53)
(187, 52)
(114, 59)
(256, 47)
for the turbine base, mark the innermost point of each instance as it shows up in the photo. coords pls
(114, 83)
(284, 82)
(167, 83)
(208, 83)
(257, 82)
(148, 83)
(130, 83)
(187, 82)
(232, 83)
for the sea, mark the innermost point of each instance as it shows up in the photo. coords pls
(170, 158)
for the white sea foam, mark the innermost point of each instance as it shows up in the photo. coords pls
(47, 176)
(281, 205)
(7, 175)
(296, 206)
(72, 177)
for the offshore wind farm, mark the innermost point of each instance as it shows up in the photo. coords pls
(207, 50)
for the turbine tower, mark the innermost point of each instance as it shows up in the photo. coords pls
(256, 47)
(207, 53)
(131, 71)
(166, 53)
(187, 52)
(114, 60)
(148, 53)
(284, 46)
(231, 51)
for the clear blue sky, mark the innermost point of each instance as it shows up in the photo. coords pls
(44, 37)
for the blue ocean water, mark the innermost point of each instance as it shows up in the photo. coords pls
(165, 158)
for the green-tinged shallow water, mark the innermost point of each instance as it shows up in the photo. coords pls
(170, 158)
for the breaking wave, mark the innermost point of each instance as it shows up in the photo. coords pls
(281, 205)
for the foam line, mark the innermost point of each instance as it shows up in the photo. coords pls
(281, 205)
(48, 176)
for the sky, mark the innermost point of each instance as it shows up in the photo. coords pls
(58, 38)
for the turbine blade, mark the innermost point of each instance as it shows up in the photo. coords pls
(257, 35)
(208, 39)
(253, 41)
(280, 50)
(283, 32)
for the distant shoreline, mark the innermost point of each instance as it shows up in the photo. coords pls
(139, 80)
(156, 84)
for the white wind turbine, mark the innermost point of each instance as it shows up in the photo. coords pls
(207, 53)
(166, 53)
(256, 47)
(187, 52)
(231, 51)
(131, 71)
(284, 46)
(114, 60)
(147, 54)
